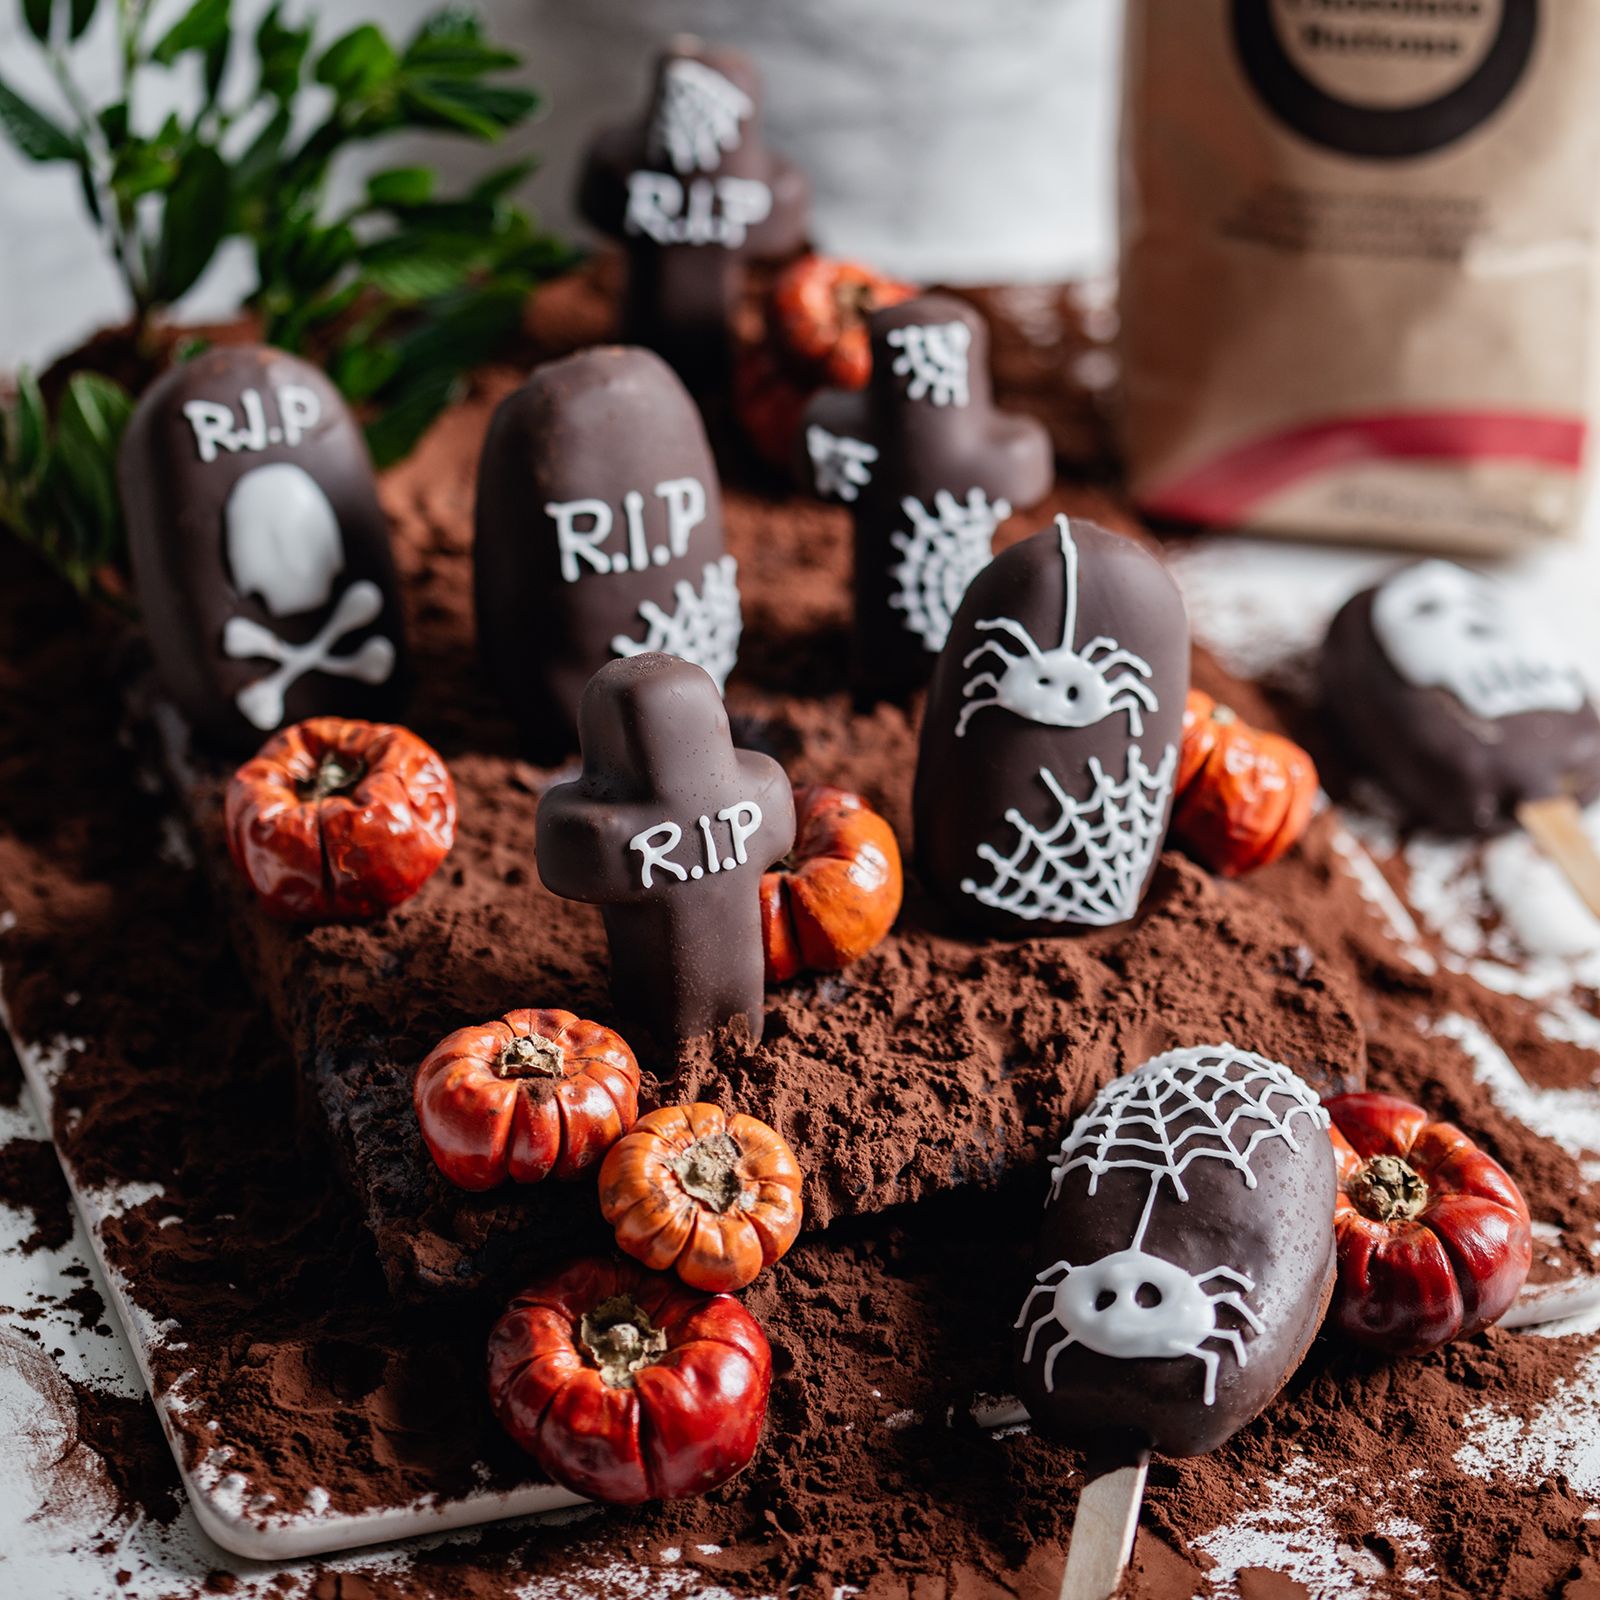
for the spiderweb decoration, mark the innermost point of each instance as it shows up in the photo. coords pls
(945, 550)
(699, 117)
(1206, 1103)
(704, 629)
(1088, 866)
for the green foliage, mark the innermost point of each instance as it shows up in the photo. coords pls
(58, 486)
(400, 292)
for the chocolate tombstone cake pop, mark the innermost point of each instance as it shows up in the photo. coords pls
(599, 534)
(929, 469)
(259, 549)
(1187, 1254)
(669, 830)
(693, 194)
(1462, 714)
(1051, 735)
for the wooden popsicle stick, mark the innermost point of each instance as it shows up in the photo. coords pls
(1557, 827)
(1102, 1532)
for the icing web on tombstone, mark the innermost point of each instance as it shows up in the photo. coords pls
(1087, 867)
(945, 550)
(1210, 1102)
(934, 357)
(704, 628)
(698, 118)
(841, 467)
(1206, 1103)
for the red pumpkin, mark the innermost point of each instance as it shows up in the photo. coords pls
(625, 1386)
(1434, 1236)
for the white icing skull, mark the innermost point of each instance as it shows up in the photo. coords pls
(283, 539)
(1444, 627)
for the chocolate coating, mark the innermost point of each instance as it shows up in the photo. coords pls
(669, 829)
(943, 445)
(693, 193)
(254, 529)
(1431, 743)
(1185, 1313)
(1027, 740)
(599, 534)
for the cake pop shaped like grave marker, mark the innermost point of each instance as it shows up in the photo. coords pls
(693, 193)
(259, 549)
(929, 469)
(599, 534)
(1050, 743)
(668, 830)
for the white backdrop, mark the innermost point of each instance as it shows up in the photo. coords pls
(947, 139)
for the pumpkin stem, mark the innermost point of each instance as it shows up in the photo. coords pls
(621, 1340)
(1388, 1189)
(709, 1170)
(334, 775)
(532, 1057)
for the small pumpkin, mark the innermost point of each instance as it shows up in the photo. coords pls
(536, 1095)
(1244, 795)
(838, 892)
(712, 1197)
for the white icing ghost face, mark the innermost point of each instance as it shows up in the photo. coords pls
(283, 539)
(1444, 627)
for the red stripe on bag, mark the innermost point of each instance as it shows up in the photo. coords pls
(1227, 488)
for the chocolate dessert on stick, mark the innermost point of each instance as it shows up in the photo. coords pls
(1187, 1258)
(1050, 742)
(1471, 723)
(668, 830)
(929, 469)
(693, 194)
(599, 534)
(260, 552)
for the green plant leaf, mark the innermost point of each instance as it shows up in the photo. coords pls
(79, 17)
(401, 186)
(282, 53)
(204, 26)
(260, 159)
(360, 370)
(359, 63)
(408, 268)
(27, 428)
(193, 224)
(141, 168)
(500, 182)
(32, 132)
(463, 106)
(114, 123)
(36, 13)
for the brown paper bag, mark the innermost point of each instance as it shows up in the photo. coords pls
(1361, 249)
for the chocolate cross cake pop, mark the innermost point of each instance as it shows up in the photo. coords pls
(1187, 1254)
(599, 534)
(1461, 713)
(260, 552)
(668, 830)
(929, 470)
(693, 194)
(1050, 741)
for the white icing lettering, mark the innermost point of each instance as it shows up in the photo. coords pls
(580, 544)
(583, 526)
(296, 407)
(706, 211)
(657, 844)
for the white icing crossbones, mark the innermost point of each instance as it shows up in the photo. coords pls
(262, 702)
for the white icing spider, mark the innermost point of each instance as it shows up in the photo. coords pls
(1063, 687)
(1133, 1305)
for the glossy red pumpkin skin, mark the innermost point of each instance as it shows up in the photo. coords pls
(683, 1425)
(484, 1128)
(348, 854)
(1411, 1284)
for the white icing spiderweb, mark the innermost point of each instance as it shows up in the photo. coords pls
(699, 117)
(1208, 1102)
(1088, 866)
(704, 629)
(944, 551)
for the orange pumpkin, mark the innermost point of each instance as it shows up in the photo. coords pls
(1244, 795)
(539, 1094)
(712, 1197)
(838, 893)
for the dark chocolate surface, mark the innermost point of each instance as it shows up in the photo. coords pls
(599, 534)
(1451, 769)
(254, 527)
(669, 829)
(935, 437)
(1050, 742)
(1196, 1216)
